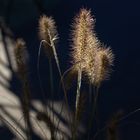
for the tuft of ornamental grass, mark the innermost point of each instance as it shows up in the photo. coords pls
(91, 61)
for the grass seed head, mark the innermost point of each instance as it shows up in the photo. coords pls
(48, 33)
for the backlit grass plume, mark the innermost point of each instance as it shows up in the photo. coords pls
(48, 34)
(89, 56)
(98, 66)
(103, 63)
(83, 39)
(82, 36)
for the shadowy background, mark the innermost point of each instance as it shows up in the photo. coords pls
(117, 25)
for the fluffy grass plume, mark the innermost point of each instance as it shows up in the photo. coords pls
(20, 58)
(82, 36)
(82, 40)
(47, 33)
(104, 61)
(98, 66)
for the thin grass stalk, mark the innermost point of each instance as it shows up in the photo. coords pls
(72, 67)
(57, 126)
(78, 88)
(72, 129)
(52, 86)
(90, 94)
(22, 117)
(26, 108)
(63, 86)
(51, 79)
(38, 71)
(79, 78)
(5, 121)
(91, 120)
(62, 102)
(44, 117)
(119, 120)
(59, 70)
(59, 86)
(52, 45)
(40, 128)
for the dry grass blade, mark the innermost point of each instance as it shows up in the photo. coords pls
(8, 123)
(44, 117)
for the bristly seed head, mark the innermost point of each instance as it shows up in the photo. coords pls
(20, 58)
(48, 32)
(88, 52)
(83, 37)
(103, 62)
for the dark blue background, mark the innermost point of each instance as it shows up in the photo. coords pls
(117, 25)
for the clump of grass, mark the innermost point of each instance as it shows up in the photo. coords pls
(91, 60)
(82, 38)
(89, 57)
(94, 60)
